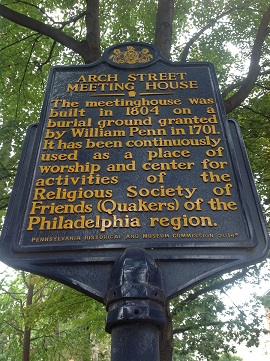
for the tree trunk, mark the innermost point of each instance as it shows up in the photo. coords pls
(93, 31)
(27, 330)
(166, 339)
(163, 36)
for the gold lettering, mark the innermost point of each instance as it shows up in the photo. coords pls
(178, 222)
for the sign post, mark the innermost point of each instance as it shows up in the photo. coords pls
(133, 152)
(136, 306)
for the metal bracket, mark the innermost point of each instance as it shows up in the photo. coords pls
(136, 306)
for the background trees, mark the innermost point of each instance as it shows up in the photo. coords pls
(234, 35)
(44, 320)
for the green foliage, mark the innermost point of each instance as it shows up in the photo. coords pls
(63, 322)
(209, 321)
(254, 121)
(229, 357)
(66, 324)
(133, 21)
(11, 325)
(223, 32)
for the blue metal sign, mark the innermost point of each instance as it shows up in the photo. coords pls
(133, 151)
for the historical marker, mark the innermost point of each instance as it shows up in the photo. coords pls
(133, 151)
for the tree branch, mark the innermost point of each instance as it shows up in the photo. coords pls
(231, 87)
(40, 65)
(12, 294)
(254, 69)
(24, 74)
(211, 23)
(17, 42)
(236, 85)
(71, 20)
(13, 326)
(4, 206)
(189, 328)
(44, 29)
(212, 287)
(215, 286)
(5, 169)
(256, 112)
